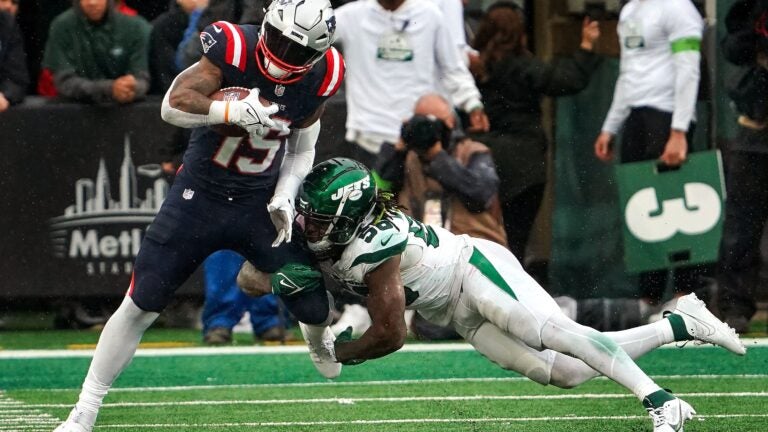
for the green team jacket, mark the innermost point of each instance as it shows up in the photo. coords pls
(85, 57)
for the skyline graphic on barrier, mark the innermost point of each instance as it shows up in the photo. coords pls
(102, 226)
(93, 196)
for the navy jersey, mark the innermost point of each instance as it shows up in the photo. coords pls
(233, 165)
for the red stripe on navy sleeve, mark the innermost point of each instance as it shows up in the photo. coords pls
(334, 73)
(131, 286)
(236, 52)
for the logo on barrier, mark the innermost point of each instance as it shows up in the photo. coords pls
(103, 232)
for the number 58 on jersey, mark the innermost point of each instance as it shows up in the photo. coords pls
(672, 217)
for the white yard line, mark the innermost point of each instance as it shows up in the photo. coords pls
(18, 416)
(407, 421)
(388, 382)
(267, 350)
(354, 400)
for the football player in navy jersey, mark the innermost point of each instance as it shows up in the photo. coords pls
(233, 192)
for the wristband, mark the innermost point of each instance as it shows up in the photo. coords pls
(218, 113)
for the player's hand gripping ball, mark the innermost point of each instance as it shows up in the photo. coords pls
(231, 94)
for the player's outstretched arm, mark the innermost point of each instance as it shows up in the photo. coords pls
(298, 160)
(386, 305)
(186, 103)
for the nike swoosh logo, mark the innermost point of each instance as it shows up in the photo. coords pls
(292, 286)
(253, 114)
(385, 242)
(216, 29)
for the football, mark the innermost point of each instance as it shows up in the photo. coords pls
(232, 94)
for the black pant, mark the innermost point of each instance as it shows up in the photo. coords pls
(644, 137)
(746, 213)
(519, 214)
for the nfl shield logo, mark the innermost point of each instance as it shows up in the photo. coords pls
(279, 90)
(188, 194)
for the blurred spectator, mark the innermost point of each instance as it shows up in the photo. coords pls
(14, 77)
(513, 83)
(394, 49)
(746, 205)
(95, 54)
(225, 304)
(442, 177)
(654, 100)
(9, 6)
(169, 31)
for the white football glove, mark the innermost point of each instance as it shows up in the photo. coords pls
(281, 212)
(251, 115)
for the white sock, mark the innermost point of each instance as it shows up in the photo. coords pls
(115, 350)
(598, 351)
(644, 339)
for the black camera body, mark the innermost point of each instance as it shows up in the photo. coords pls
(421, 132)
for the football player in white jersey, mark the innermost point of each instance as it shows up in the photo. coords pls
(373, 249)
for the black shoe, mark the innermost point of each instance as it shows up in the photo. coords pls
(277, 333)
(218, 336)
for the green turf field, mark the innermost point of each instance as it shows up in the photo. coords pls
(425, 388)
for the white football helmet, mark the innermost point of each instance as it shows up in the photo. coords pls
(295, 34)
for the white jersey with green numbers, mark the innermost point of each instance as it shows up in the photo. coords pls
(431, 266)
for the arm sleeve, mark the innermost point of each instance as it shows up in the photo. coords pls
(454, 73)
(14, 77)
(475, 184)
(685, 30)
(139, 61)
(619, 110)
(454, 17)
(565, 75)
(299, 156)
(81, 89)
(177, 117)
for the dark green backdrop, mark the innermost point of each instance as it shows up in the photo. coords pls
(587, 252)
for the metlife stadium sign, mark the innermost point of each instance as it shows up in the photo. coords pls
(79, 189)
(101, 233)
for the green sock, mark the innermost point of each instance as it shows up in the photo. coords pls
(657, 399)
(679, 330)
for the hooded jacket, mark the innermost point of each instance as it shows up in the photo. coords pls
(85, 57)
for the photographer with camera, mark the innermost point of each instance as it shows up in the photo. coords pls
(442, 177)
(746, 208)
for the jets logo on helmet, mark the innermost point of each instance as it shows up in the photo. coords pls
(294, 36)
(338, 195)
(353, 191)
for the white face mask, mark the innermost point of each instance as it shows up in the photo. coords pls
(273, 70)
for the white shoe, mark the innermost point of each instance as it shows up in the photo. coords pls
(705, 327)
(355, 316)
(321, 350)
(77, 421)
(671, 416)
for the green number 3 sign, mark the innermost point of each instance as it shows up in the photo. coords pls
(671, 217)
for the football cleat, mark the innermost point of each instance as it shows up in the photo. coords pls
(704, 327)
(77, 421)
(671, 416)
(321, 350)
